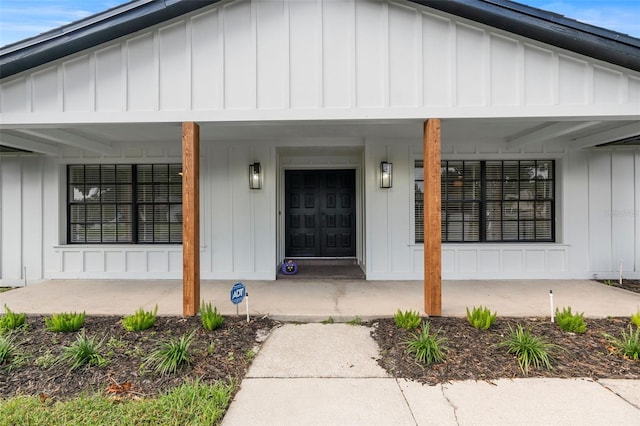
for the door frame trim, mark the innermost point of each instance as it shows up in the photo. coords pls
(349, 161)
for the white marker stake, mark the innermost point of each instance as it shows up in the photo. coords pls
(551, 304)
(620, 272)
(247, 297)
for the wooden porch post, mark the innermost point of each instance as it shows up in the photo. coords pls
(432, 225)
(190, 218)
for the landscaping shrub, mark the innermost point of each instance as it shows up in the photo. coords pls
(568, 321)
(210, 318)
(141, 320)
(83, 352)
(171, 355)
(635, 318)
(427, 347)
(529, 350)
(628, 345)
(11, 320)
(409, 320)
(481, 317)
(65, 322)
(8, 352)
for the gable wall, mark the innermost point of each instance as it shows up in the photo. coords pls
(288, 59)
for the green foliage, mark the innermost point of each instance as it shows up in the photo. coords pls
(568, 321)
(427, 347)
(141, 320)
(210, 318)
(329, 320)
(11, 320)
(84, 351)
(65, 322)
(9, 353)
(635, 318)
(481, 317)
(530, 350)
(192, 403)
(45, 360)
(628, 345)
(409, 320)
(171, 355)
(356, 321)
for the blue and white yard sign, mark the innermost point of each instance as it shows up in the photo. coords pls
(238, 292)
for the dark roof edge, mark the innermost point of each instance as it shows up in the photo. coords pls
(57, 43)
(547, 27)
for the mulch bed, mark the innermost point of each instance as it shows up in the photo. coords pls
(222, 354)
(225, 354)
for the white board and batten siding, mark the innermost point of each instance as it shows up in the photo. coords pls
(317, 59)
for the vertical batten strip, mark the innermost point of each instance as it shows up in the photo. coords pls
(432, 218)
(190, 218)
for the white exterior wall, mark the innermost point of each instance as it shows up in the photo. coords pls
(317, 59)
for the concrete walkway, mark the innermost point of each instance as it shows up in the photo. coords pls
(314, 374)
(319, 299)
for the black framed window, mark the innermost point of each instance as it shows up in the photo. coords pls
(124, 203)
(492, 201)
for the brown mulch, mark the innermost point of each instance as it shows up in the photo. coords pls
(222, 354)
(225, 354)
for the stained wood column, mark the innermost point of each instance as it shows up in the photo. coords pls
(432, 220)
(190, 218)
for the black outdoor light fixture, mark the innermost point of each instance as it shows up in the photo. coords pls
(386, 175)
(255, 176)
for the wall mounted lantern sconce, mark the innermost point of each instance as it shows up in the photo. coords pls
(386, 175)
(255, 176)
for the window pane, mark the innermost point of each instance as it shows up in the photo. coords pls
(125, 193)
(145, 233)
(125, 233)
(109, 233)
(108, 192)
(160, 173)
(108, 173)
(93, 213)
(418, 178)
(77, 233)
(92, 174)
(175, 232)
(145, 193)
(76, 214)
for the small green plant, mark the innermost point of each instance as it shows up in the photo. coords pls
(171, 354)
(481, 317)
(427, 347)
(635, 318)
(45, 360)
(568, 321)
(11, 320)
(329, 320)
(9, 352)
(628, 345)
(65, 322)
(529, 349)
(356, 321)
(141, 320)
(210, 318)
(409, 320)
(608, 282)
(84, 351)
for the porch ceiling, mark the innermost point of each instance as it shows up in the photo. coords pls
(100, 138)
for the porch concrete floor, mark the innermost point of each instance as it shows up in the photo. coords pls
(316, 300)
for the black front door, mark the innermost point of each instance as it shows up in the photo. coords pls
(320, 213)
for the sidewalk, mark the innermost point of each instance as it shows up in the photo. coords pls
(314, 374)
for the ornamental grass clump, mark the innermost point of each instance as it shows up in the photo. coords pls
(427, 347)
(530, 350)
(141, 320)
(481, 317)
(570, 322)
(11, 320)
(171, 355)
(65, 322)
(85, 351)
(409, 320)
(9, 352)
(210, 317)
(628, 345)
(635, 318)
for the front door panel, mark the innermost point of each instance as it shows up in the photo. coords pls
(320, 213)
